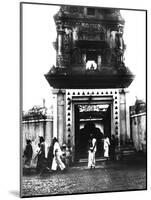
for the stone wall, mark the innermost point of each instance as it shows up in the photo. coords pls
(32, 129)
(138, 131)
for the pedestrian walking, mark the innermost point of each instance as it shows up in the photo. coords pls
(91, 152)
(42, 157)
(57, 152)
(36, 158)
(106, 147)
(28, 152)
(50, 156)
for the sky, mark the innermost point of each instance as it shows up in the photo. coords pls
(39, 32)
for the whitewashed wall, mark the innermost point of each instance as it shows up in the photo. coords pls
(32, 129)
(138, 123)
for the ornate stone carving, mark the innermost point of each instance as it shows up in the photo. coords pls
(84, 26)
(59, 60)
(66, 43)
(63, 60)
(67, 40)
(119, 42)
(82, 37)
(91, 35)
(119, 57)
(75, 9)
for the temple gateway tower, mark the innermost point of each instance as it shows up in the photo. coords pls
(90, 78)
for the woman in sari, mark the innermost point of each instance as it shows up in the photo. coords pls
(57, 153)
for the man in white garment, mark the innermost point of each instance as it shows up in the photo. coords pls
(91, 152)
(106, 147)
(57, 152)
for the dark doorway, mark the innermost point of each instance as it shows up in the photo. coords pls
(89, 122)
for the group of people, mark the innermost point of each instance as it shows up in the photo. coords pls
(55, 157)
(46, 159)
(109, 146)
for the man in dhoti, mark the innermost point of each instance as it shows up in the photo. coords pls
(91, 152)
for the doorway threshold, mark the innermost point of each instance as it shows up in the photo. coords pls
(85, 160)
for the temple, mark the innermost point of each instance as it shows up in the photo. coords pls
(90, 79)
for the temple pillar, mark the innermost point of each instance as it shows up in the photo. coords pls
(59, 42)
(59, 51)
(59, 115)
(54, 92)
(128, 136)
(123, 128)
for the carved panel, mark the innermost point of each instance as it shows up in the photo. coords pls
(66, 43)
(63, 60)
(79, 30)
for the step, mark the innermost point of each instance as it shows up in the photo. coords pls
(85, 160)
(129, 151)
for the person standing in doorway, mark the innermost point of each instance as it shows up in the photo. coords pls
(57, 153)
(112, 147)
(106, 147)
(91, 152)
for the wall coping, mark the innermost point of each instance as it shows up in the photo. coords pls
(37, 120)
(137, 115)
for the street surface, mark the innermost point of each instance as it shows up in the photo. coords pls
(107, 176)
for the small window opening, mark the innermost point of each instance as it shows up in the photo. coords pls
(90, 11)
(91, 65)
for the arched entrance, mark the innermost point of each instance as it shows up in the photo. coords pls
(91, 119)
